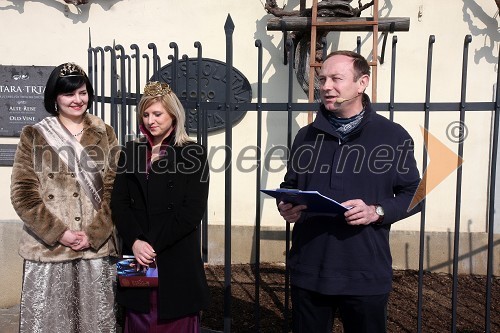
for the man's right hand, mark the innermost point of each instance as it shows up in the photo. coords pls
(290, 212)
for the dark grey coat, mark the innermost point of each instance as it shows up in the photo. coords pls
(374, 163)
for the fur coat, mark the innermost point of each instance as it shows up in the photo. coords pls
(49, 200)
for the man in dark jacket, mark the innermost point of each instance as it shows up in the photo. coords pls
(363, 160)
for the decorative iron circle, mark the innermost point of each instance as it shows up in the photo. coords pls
(213, 89)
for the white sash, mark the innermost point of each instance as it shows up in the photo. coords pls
(89, 176)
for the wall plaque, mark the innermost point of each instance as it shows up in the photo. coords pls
(21, 97)
(7, 153)
(213, 89)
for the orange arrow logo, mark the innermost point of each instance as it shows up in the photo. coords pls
(443, 161)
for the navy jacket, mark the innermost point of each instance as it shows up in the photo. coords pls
(165, 210)
(375, 163)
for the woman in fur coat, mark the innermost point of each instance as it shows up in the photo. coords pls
(62, 178)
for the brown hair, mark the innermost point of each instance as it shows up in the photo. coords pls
(360, 65)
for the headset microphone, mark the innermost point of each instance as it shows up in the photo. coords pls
(341, 100)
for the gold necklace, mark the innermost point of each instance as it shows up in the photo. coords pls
(79, 133)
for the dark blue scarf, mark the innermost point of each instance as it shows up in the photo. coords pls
(344, 126)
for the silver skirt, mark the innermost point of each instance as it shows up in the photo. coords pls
(74, 297)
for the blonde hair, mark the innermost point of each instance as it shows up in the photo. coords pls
(174, 108)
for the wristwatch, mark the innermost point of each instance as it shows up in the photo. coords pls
(380, 212)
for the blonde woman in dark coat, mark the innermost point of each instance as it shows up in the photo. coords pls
(158, 201)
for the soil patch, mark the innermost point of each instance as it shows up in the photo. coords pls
(402, 309)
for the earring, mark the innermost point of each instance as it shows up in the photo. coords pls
(55, 107)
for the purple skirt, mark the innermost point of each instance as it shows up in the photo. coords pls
(136, 322)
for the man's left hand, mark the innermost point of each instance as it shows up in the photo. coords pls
(360, 213)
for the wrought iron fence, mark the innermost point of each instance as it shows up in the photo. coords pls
(114, 103)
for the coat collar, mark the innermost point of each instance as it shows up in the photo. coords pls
(95, 130)
(140, 147)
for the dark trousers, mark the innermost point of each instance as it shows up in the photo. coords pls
(314, 312)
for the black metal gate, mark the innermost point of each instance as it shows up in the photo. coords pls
(118, 91)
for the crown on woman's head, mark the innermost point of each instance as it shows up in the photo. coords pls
(155, 88)
(71, 69)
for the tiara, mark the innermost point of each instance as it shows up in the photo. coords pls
(155, 88)
(71, 69)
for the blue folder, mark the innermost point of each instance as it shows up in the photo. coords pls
(315, 201)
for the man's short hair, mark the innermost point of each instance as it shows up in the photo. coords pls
(360, 65)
